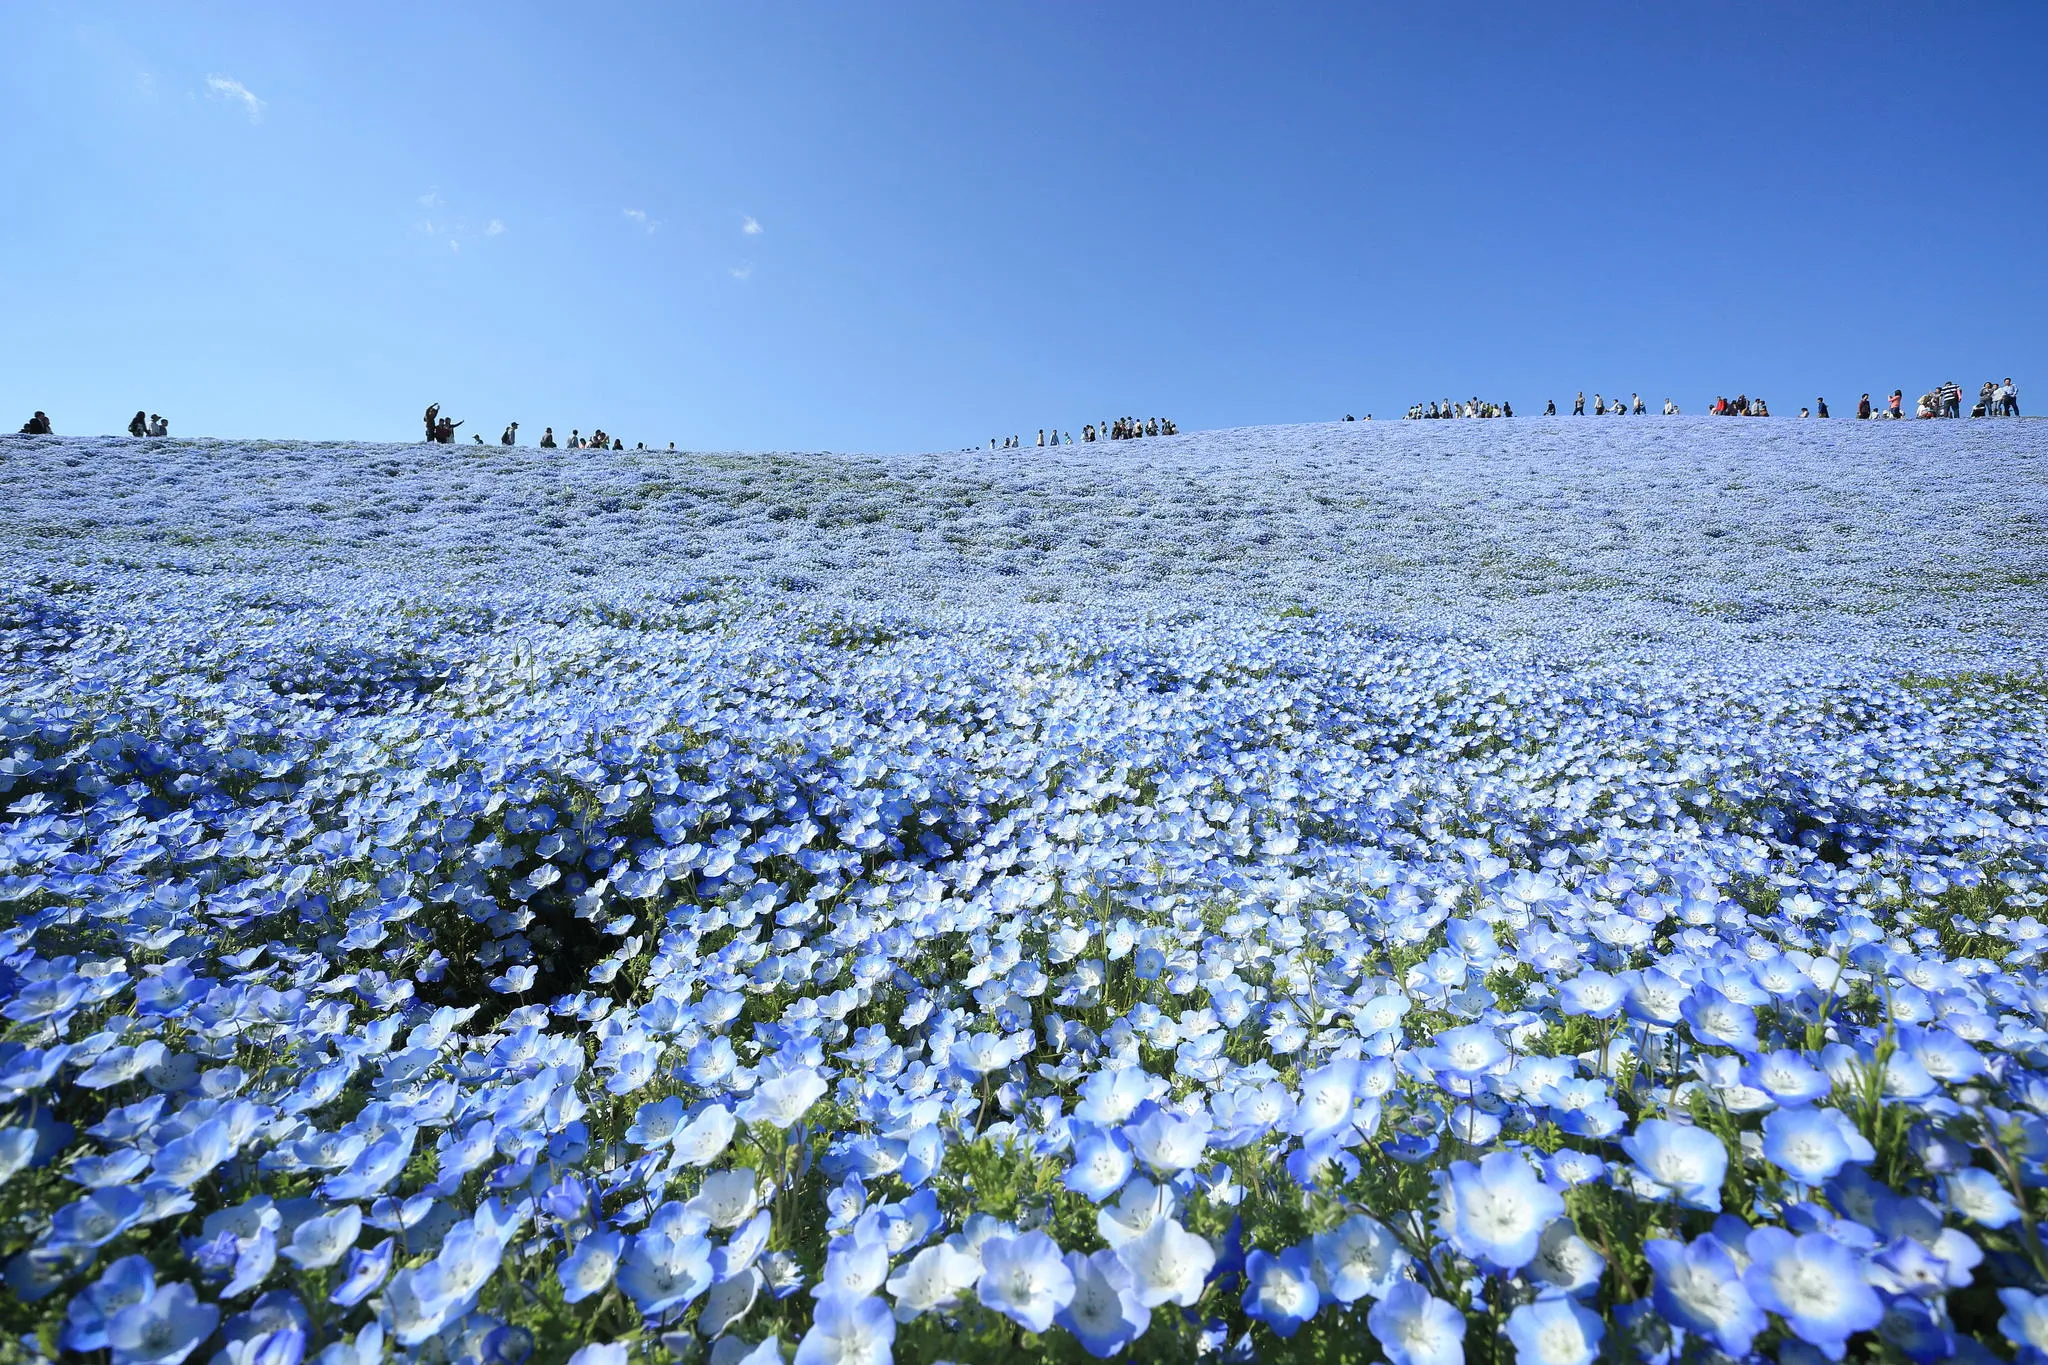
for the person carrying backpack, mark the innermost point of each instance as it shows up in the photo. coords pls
(138, 425)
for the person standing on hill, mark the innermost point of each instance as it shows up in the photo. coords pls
(1896, 408)
(1820, 407)
(2008, 399)
(433, 416)
(1951, 399)
(511, 436)
(1863, 407)
(138, 425)
(1579, 404)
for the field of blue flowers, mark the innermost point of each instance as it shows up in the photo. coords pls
(1514, 891)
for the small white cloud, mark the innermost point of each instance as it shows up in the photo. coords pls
(430, 200)
(494, 228)
(749, 226)
(223, 88)
(640, 216)
(741, 271)
(454, 245)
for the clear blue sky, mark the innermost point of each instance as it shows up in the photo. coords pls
(977, 219)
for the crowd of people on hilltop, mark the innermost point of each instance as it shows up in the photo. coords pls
(1471, 407)
(440, 430)
(1120, 429)
(1995, 398)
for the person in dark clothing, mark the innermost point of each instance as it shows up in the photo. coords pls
(1820, 407)
(511, 436)
(444, 431)
(1951, 399)
(38, 425)
(1550, 407)
(1579, 404)
(1507, 409)
(1863, 406)
(2008, 399)
(477, 436)
(433, 417)
(138, 425)
(547, 438)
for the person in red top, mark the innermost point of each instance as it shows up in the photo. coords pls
(1898, 399)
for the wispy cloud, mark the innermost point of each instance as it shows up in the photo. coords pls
(749, 226)
(430, 200)
(224, 88)
(640, 216)
(493, 228)
(741, 271)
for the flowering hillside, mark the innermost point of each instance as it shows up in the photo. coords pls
(1518, 891)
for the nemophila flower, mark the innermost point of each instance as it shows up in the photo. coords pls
(363, 1274)
(2025, 1322)
(163, 1329)
(1788, 1078)
(1717, 1021)
(727, 1301)
(701, 1141)
(1025, 1279)
(1566, 1262)
(1280, 1291)
(1654, 997)
(1555, 1332)
(1686, 1163)
(854, 1269)
(1592, 993)
(727, 1198)
(1413, 1327)
(1139, 1205)
(1812, 1145)
(935, 1278)
(782, 1100)
(590, 1267)
(97, 1219)
(1168, 1264)
(1699, 1287)
(1359, 1258)
(656, 1122)
(1167, 1142)
(1815, 1284)
(319, 1242)
(1112, 1096)
(1495, 1211)
(662, 1271)
(1099, 1165)
(1981, 1197)
(127, 1281)
(848, 1332)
